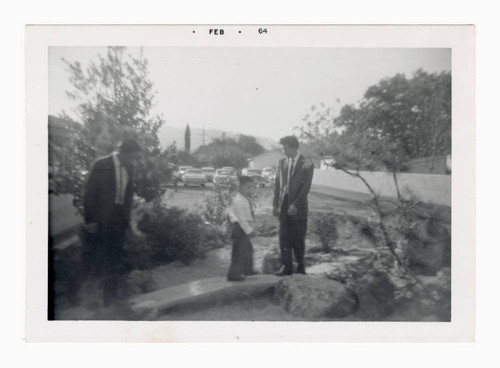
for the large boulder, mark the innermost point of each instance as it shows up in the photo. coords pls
(428, 258)
(314, 297)
(376, 295)
(427, 247)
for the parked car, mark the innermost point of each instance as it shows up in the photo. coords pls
(224, 178)
(228, 168)
(209, 173)
(182, 171)
(269, 174)
(194, 177)
(250, 172)
(232, 171)
(258, 181)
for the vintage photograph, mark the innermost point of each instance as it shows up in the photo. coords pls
(249, 184)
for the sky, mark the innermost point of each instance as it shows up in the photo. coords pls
(257, 91)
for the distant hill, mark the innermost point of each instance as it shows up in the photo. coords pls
(169, 134)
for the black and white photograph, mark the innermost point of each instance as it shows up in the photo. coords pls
(249, 184)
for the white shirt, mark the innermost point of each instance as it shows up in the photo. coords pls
(291, 168)
(240, 211)
(121, 176)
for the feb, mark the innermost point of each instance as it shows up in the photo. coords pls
(216, 32)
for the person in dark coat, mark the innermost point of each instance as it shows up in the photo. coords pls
(107, 207)
(293, 182)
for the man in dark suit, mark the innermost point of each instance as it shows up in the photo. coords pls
(293, 182)
(107, 206)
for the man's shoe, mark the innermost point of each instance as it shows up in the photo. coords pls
(251, 273)
(284, 273)
(236, 278)
(301, 270)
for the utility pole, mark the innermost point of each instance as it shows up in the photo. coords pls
(203, 136)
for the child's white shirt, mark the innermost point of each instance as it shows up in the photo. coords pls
(240, 211)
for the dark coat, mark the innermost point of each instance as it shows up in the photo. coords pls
(100, 192)
(299, 186)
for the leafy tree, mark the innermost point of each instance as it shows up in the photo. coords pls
(250, 145)
(187, 139)
(170, 153)
(231, 156)
(184, 158)
(225, 152)
(319, 132)
(414, 112)
(398, 119)
(115, 96)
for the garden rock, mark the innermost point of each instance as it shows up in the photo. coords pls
(376, 295)
(313, 297)
(439, 287)
(139, 282)
(427, 252)
(272, 261)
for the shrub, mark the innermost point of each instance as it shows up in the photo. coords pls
(173, 234)
(324, 226)
(213, 236)
(213, 209)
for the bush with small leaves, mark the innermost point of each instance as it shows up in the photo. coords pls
(174, 234)
(324, 226)
(214, 208)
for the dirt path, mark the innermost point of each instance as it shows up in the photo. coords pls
(215, 263)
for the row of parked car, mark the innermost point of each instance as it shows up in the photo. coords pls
(188, 175)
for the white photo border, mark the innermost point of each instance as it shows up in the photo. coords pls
(459, 38)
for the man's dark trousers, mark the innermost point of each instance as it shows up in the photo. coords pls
(292, 236)
(107, 255)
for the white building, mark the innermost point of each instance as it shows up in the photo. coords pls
(266, 159)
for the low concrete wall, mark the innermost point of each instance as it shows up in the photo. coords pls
(429, 188)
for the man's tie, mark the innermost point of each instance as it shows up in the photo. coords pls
(290, 172)
(120, 184)
(251, 207)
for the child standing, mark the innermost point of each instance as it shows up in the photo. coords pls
(241, 216)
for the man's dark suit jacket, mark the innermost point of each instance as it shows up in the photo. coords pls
(100, 191)
(299, 186)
